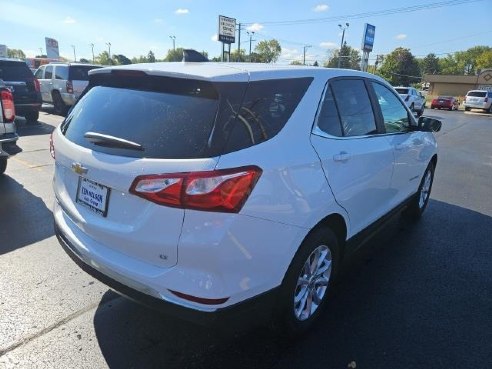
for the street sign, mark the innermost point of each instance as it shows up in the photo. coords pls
(52, 48)
(227, 29)
(368, 38)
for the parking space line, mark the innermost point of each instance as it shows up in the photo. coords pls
(38, 167)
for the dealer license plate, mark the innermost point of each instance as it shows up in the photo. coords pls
(93, 195)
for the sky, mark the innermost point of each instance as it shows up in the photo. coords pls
(135, 27)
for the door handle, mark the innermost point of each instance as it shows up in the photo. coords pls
(343, 156)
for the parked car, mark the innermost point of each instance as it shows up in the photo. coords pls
(445, 102)
(412, 98)
(208, 189)
(8, 135)
(62, 83)
(478, 99)
(17, 77)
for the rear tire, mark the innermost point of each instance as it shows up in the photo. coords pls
(467, 108)
(419, 203)
(31, 117)
(307, 282)
(59, 106)
(3, 165)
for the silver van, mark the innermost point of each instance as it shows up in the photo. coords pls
(62, 83)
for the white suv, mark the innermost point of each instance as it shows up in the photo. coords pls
(206, 188)
(478, 99)
(412, 98)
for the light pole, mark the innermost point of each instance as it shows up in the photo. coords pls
(93, 60)
(343, 28)
(304, 53)
(250, 34)
(109, 52)
(174, 42)
(74, 56)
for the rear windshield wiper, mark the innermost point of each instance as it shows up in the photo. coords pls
(111, 141)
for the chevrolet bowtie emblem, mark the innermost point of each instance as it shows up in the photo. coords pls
(78, 168)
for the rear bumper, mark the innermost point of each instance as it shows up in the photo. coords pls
(260, 306)
(21, 109)
(476, 106)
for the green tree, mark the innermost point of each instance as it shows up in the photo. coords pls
(430, 64)
(121, 59)
(239, 56)
(349, 58)
(267, 51)
(296, 62)
(83, 60)
(465, 62)
(484, 61)
(16, 53)
(400, 68)
(151, 57)
(174, 55)
(103, 58)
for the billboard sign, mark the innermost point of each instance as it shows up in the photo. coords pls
(52, 48)
(368, 38)
(3, 51)
(227, 29)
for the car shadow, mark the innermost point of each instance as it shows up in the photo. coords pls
(416, 295)
(33, 129)
(24, 218)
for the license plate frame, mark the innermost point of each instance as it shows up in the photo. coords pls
(93, 196)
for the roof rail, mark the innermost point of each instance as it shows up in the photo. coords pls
(190, 55)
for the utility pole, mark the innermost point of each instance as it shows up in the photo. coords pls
(109, 52)
(343, 28)
(74, 56)
(239, 43)
(250, 34)
(41, 51)
(304, 58)
(174, 42)
(93, 60)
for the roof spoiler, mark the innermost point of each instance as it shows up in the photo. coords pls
(190, 55)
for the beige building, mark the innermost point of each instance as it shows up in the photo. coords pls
(458, 85)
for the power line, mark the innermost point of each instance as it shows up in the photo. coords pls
(376, 13)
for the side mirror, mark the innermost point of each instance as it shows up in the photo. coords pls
(428, 124)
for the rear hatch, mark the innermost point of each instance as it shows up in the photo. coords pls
(79, 75)
(129, 124)
(19, 79)
(476, 97)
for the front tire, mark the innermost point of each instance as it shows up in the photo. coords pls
(308, 281)
(419, 203)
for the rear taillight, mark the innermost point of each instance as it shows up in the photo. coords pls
(486, 99)
(37, 87)
(52, 146)
(8, 108)
(220, 190)
(407, 98)
(69, 87)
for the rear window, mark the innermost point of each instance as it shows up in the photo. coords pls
(180, 118)
(15, 72)
(477, 93)
(61, 72)
(80, 72)
(402, 91)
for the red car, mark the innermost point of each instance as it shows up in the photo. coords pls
(445, 102)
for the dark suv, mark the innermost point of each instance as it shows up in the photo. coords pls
(19, 79)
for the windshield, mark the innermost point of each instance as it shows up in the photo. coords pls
(15, 72)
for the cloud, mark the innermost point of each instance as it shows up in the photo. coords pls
(321, 8)
(214, 37)
(328, 45)
(181, 11)
(401, 36)
(69, 20)
(255, 27)
(290, 54)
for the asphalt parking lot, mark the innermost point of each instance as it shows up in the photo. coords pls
(416, 296)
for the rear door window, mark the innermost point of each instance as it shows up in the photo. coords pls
(354, 107)
(61, 72)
